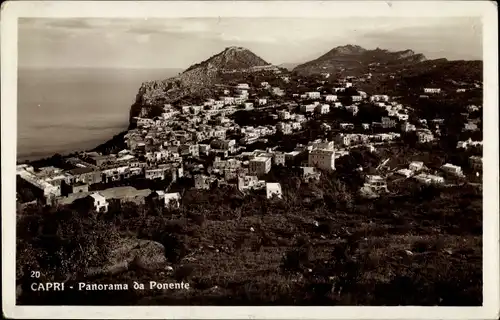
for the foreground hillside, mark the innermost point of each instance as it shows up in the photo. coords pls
(320, 245)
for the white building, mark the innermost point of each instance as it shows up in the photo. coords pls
(307, 108)
(283, 115)
(476, 163)
(379, 97)
(259, 165)
(416, 166)
(388, 122)
(432, 90)
(243, 86)
(331, 97)
(356, 98)
(323, 108)
(100, 203)
(376, 183)
(322, 159)
(172, 199)
(407, 127)
(452, 169)
(273, 190)
(425, 136)
(283, 127)
(313, 95)
(429, 179)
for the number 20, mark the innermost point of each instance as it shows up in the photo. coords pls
(35, 274)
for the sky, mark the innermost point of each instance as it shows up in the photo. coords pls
(181, 42)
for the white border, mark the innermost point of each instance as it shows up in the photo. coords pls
(11, 11)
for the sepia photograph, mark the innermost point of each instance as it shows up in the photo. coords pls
(251, 160)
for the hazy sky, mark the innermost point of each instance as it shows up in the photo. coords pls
(178, 43)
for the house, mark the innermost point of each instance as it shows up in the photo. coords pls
(352, 109)
(346, 126)
(323, 108)
(283, 114)
(250, 183)
(201, 181)
(416, 166)
(322, 159)
(284, 128)
(228, 100)
(313, 95)
(278, 91)
(259, 166)
(243, 86)
(429, 178)
(154, 173)
(405, 172)
(461, 90)
(407, 127)
(279, 158)
(307, 108)
(356, 98)
(273, 190)
(472, 108)
(452, 169)
(363, 94)
(84, 175)
(388, 122)
(248, 105)
(375, 183)
(262, 101)
(470, 126)
(432, 90)
(100, 203)
(379, 97)
(365, 126)
(102, 159)
(331, 97)
(264, 84)
(310, 173)
(402, 116)
(425, 136)
(476, 163)
(172, 199)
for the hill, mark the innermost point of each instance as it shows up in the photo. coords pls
(195, 80)
(350, 57)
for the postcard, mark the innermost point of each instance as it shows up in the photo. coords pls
(250, 159)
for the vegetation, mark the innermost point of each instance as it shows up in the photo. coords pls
(320, 245)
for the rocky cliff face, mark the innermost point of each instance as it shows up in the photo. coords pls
(356, 57)
(201, 76)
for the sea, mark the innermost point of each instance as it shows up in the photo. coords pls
(67, 110)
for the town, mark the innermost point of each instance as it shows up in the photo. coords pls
(236, 136)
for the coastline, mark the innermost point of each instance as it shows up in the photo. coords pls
(39, 156)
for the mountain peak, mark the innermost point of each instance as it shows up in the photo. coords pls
(355, 57)
(235, 48)
(348, 49)
(231, 58)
